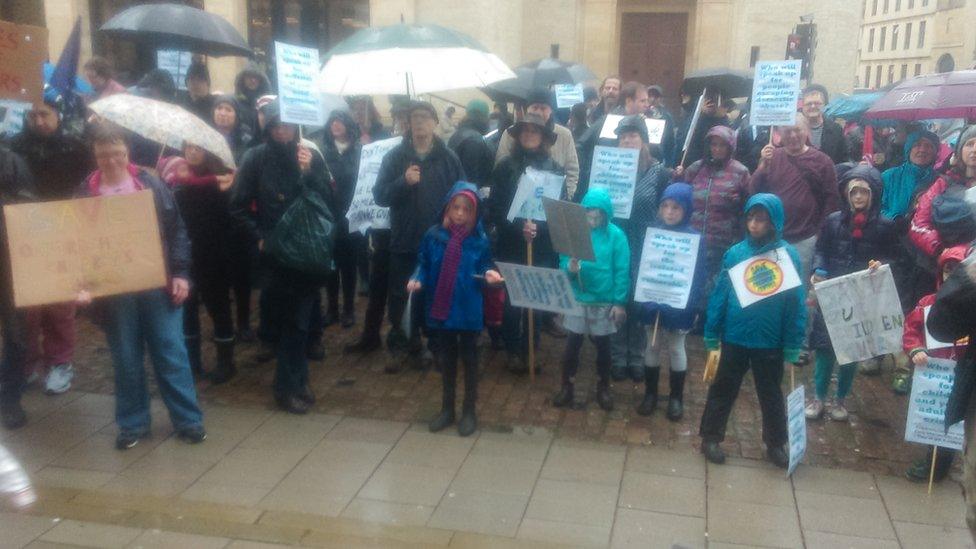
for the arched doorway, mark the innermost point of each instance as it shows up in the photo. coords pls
(945, 63)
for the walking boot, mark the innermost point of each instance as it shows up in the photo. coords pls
(778, 456)
(12, 413)
(676, 407)
(469, 421)
(446, 417)
(651, 377)
(603, 397)
(564, 398)
(193, 352)
(365, 344)
(292, 404)
(306, 395)
(225, 363)
(314, 350)
(713, 452)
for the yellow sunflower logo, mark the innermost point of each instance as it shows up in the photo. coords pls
(763, 277)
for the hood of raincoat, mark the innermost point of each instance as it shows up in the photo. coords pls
(914, 137)
(264, 85)
(967, 134)
(352, 128)
(727, 135)
(873, 178)
(469, 189)
(682, 194)
(599, 198)
(773, 206)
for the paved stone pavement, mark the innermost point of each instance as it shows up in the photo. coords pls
(267, 479)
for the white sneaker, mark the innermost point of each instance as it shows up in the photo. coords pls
(838, 412)
(814, 410)
(59, 379)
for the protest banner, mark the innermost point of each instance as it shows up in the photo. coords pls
(533, 185)
(107, 245)
(655, 128)
(775, 92)
(763, 276)
(298, 93)
(615, 170)
(363, 212)
(568, 95)
(927, 406)
(667, 267)
(568, 229)
(862, 314)
(539, 288)
(796, 427)
(23, 51)
(175, 62)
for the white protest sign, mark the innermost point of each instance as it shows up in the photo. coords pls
(12, 113)
(862, 314)
(763, 276)
(930, 341)
(615, 170)
(539, 288)
(927, 406)
(796, 427)
(363, 212)
(693, 125)
(667, 267)
(568, 95)
(533, 185)
(298, 69)
(175, 62)
(655, 128)
(775, 92)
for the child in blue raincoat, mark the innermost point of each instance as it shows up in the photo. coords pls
(674, 214)
(453, 265)
(602, 288)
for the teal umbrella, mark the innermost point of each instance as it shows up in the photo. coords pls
(408, 60)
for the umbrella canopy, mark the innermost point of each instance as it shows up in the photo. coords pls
(732, 83)
(851, 107)
(179, 27)
(163, 123)
(943, 95)
(537, 74)
(407, 60)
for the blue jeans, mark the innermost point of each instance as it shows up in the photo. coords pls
(148, 320)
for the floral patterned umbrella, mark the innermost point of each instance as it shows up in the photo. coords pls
(164, 123)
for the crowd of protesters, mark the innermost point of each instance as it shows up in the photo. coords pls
(810, 190)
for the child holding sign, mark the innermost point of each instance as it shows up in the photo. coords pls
(918, 347)
(453, 264)
(602, 287)
(852, 239)
(674, 214)
(760, 336)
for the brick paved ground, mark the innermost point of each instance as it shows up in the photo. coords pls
(357, 386)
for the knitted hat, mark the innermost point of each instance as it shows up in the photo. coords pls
(477, 106)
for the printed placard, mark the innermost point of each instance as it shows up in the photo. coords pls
(176, 63)
(615, 169)
(775, 92)
(667, 267)
(762, 276)
(655, 128)
(298, 93)
(539, 288)
(363, 212)
(862, 313)
(568, 95)
(927, 406)
(796, 427)
(532, 187)
(106, 245)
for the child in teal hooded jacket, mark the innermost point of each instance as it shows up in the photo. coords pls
(760, 336)
(601, 287)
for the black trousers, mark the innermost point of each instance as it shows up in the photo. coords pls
(402, 265)
(767, 370)
(13, 326)
(289, 300)
(344, 274)
(215, 297)
(571, 357)
(243, 258)
(452, 344)
(379, 281)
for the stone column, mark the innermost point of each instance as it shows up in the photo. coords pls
(223, 70)
(600, 36)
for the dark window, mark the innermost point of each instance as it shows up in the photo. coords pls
(911, 4)
(877, 76)
(904, 72)
(908, 35)
(921, 34)
(753, 56)
(874, 7)
(871, 40)
(867, 76)
(314, 23)
(881, 41)
(894, 37)
(897, 5)
(885, 6)
(891, 73)
(918, 69)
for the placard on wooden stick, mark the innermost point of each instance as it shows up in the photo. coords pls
(23, 50)
(568, 229)
(107, 245)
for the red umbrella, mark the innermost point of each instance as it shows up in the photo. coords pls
(943, 95)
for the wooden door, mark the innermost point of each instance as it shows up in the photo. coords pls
(652, 51)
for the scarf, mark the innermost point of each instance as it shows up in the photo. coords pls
(858, 221)
(444, 294)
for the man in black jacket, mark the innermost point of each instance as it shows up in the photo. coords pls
(413, 181)
(825, 135)
(468, 143)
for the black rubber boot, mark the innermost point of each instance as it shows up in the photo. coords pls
(603, 397)
(469, 421)
(713, 452)
(651, 378)
(225, 369)
(676, 407)
(446, 417)
(193, 351)
(12, 414)
(564, 398)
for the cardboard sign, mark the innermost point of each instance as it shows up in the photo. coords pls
(667, 267)
(763, 276)
(862, 314)
(175, 62)
(568, 229)
(568, 95)
(107, 245)
(539, 288)
(927, 406)
(533, 185)
(23, 50)
(363, 212)
(615, 170)
(775, 92)
(298, 91)
(796, 427)
(655, 128)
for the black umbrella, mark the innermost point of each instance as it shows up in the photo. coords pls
(730, 82)
(511, 90)
(537, 74)
(179, 27)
